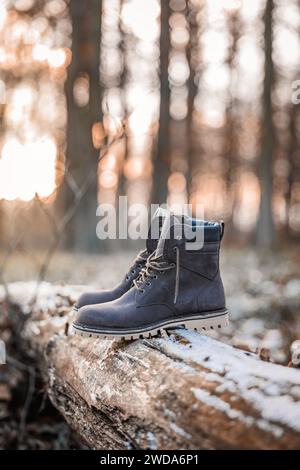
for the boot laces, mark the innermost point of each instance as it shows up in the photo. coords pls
(158, 265)
(140, 261)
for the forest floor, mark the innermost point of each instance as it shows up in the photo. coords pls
(263, 296)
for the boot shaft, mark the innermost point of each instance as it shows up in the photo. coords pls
(194, 284)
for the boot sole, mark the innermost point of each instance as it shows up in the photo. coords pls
(203, 322)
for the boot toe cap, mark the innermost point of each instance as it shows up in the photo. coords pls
(93, 316)
(84, 299)
(92, 298)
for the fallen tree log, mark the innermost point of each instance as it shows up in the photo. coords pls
(187, 391)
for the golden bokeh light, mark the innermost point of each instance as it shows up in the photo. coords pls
(27, 169)
(35, 52)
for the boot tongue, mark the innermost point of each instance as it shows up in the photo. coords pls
(164, 234)
(155, 228)
(167, 232)
(151, 244)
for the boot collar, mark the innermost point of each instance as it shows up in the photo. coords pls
(204, 261)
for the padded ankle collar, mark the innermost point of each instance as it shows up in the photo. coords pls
(203, 260)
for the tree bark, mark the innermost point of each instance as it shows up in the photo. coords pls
(265, 233)
(81, 156)
(192, 49)
(160, 163)
(186, 391)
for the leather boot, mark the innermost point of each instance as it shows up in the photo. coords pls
(178, 286)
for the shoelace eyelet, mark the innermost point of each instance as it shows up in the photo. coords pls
(162, 266)
(132, 271)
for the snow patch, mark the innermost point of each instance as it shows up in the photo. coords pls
(181, 432)
(271, 389)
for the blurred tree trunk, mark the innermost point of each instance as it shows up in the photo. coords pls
(192, 57)
(292, 154)
(160, 164)
(293, 178)
(81, 156)
(232, 126)
(123, 81)
(265, 232)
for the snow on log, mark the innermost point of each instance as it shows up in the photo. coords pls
(187, 391)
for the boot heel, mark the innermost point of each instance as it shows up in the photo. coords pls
(206, 323)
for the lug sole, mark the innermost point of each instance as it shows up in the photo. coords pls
(213, 321)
